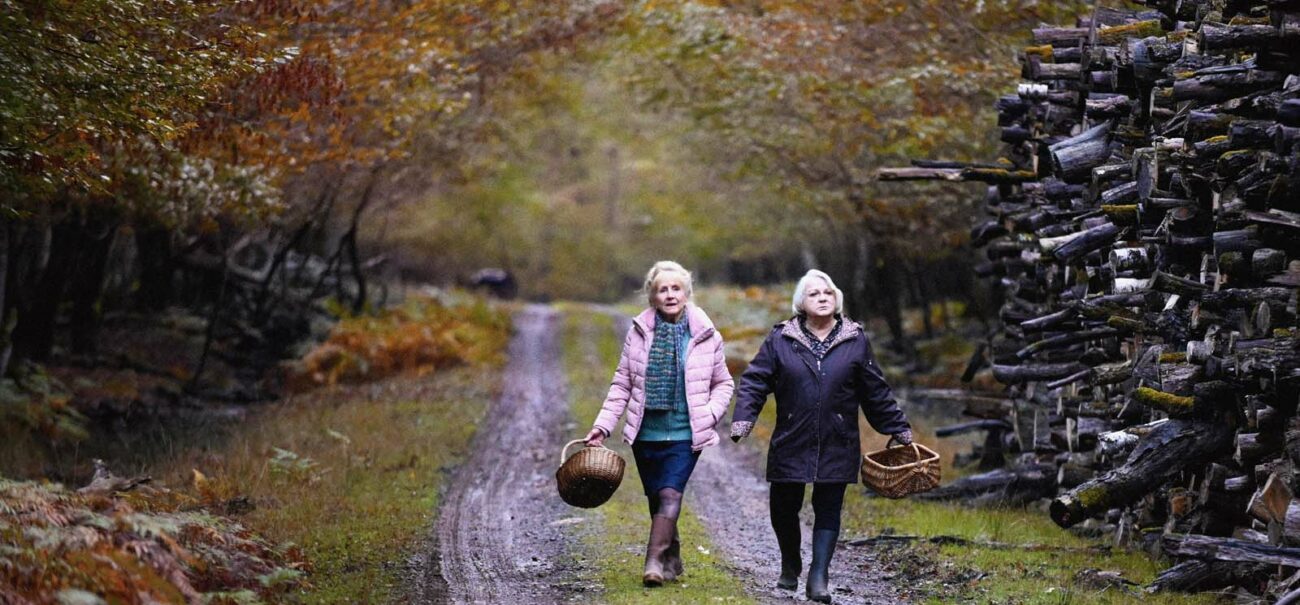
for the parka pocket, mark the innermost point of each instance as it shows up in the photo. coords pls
(846, 427)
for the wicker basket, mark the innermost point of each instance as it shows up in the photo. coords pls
(898, 471)
(588, 478)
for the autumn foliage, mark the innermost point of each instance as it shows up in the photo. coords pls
(147, 546)
(421, 336)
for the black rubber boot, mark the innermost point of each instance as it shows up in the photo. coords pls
(788, 538)
(823, 548)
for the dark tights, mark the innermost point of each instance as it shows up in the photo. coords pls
(666, 502)
(787, 498)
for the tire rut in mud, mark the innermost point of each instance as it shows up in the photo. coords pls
(503, 535)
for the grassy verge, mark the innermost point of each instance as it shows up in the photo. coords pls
(999, 575)
(617, 541)
(350, 473)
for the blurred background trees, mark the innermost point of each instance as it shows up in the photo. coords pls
(248, 160)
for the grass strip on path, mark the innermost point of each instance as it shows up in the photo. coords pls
(620, 527)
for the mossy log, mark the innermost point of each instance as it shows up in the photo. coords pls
(1174, 405)
(1164, 452)
(1119, 33)
(997, 176)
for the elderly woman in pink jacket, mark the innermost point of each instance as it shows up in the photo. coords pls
(672, 381)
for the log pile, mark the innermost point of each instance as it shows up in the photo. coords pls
(1145, 240)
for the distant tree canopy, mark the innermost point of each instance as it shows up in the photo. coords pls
(744, 136)
(149, 149)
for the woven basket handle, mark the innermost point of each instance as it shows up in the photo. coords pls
(916, 448)
(564, 454)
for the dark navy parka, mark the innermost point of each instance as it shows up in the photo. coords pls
(816, 435)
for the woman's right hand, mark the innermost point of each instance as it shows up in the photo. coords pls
(595, 438)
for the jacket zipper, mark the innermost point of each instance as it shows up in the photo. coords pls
(817, 375)
(817, 416)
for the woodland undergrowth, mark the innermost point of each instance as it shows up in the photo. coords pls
(310, 499)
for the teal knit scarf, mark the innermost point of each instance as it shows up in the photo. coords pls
(665, 373)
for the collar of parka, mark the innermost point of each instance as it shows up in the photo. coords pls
(849, 330)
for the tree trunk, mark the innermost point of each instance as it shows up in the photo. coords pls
(6, 342)
(87, 284)
(34, 332)
(157, 266)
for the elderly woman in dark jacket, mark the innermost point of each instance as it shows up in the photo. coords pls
(820, 366)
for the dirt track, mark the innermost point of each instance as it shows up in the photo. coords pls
(503, 536)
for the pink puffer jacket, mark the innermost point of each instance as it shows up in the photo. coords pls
(708, 383)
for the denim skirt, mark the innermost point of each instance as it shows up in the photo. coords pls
(664, 464)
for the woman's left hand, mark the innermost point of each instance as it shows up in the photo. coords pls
(903, 438)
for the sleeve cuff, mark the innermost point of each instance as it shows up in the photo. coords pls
(904, 437)
(741, 429)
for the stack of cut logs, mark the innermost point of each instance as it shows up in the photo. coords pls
(1145, 240)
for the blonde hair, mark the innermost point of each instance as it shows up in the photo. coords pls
(665, 269)
(796, 302)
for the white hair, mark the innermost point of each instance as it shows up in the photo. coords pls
(665, 269)
(796, 302)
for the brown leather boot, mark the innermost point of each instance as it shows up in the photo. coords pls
(661, 535)
(673, 558)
